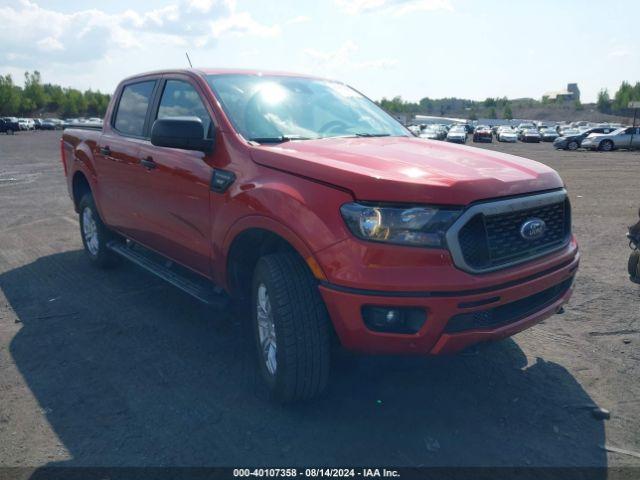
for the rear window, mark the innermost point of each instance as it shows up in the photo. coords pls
(132, 109)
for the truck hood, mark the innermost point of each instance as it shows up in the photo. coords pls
(409, 169)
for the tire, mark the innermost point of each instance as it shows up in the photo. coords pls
(572, 145)
(634, 264)
(95, 235)
(296, 365)
(605, 146)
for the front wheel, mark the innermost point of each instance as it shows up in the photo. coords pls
(606, 146)
(572, 145)
(95, 235)
(634, 265)
(291, 328)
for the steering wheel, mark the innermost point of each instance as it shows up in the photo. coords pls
(332, 125)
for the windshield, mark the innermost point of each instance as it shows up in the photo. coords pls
(457, 129)
(278, 108)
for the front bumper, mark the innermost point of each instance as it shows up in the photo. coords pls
(344, 305)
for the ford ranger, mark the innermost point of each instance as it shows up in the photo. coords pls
(300, 197)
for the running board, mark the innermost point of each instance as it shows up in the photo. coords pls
(180, 277)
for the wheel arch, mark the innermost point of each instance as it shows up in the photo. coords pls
(79, 187)
(251, 238)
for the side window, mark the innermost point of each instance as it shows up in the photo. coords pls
(132, 109)
(180, 99)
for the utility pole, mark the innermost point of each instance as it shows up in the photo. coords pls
(635, 106)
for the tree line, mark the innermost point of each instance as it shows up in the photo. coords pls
(452, 106)
(38, 99)
(620, 101)
(503, 107)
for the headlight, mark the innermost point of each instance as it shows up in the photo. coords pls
(420, 226)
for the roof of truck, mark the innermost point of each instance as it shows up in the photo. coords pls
(222, 71)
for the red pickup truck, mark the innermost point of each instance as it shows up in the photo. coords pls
(299, 195)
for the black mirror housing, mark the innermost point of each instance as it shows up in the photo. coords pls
(186, 133)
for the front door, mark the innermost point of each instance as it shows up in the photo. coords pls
(175, 185)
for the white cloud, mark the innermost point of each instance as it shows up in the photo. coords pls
(29, 31)
(380, 63)
(242, 24)
(50, 44)
(395, 7)
(620, 52)
(343, 58)
(298, 19)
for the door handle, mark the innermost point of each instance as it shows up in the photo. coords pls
(106, 151)
(148, 163)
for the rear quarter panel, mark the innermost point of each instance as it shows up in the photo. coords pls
(78, 146)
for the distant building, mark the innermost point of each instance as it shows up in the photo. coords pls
(571, 94)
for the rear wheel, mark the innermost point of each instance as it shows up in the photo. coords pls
(95, 235)
(606, 146)
(572, 145)
(291, 328)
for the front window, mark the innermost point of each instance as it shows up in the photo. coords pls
(278, 108)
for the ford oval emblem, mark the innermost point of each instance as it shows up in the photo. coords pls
(532, 229)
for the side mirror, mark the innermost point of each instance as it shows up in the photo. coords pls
(186, 133)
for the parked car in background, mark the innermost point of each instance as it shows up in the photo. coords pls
(507, 134)
(572, 138)
(9, 125)
(529, 135)
(482, 133)
(442, 131)
(548, 134)
(525, 126)
(48, 124)
(626, 137)
(468, 128)
(415, 129)
(430, 132)
(457, 134)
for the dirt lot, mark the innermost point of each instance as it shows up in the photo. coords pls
(118, 369)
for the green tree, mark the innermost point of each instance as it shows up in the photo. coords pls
(10, 96)
(604, 101)
(33, 92)
(492, 113)
(490, 102)
(508, 114)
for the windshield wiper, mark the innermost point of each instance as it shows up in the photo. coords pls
(280, 139)
(365, 134)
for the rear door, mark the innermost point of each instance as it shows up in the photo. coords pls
(117, 157)
(174, 189)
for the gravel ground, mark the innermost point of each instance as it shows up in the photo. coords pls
(118, 369)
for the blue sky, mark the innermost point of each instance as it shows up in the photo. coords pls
(413, 48)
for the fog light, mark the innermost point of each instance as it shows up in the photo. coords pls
(394, 319)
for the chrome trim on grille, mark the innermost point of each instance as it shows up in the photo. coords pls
(494, 208)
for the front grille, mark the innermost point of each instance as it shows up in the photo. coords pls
(489, 241)
(509, 312)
